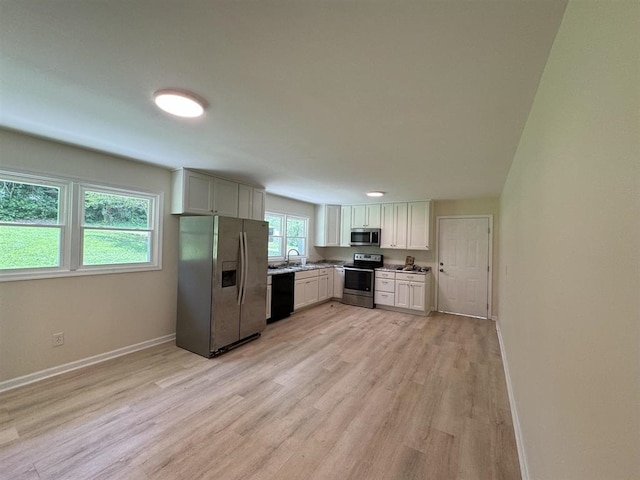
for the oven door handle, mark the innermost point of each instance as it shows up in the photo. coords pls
(358, 269)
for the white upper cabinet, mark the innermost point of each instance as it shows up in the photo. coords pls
(419, 219)
(345, 226)
(225, 197)
(258, 203)
(250, 202)
(365, 216)
(327, 226)
(393, 225)
(195, 193)
(192, 192)
(245, 201)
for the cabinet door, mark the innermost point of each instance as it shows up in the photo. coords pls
(258, 204)
(225, 197)
(345, 226)
(418, 226)
(192, 192)
(358, 216)
(373, 216)
(299, 293)
(393, 222)
(332, 226)
(387, 224)
(245, 201)
(416, 296)
(402, 294)
(323, 287)
(311, 291)
(338, 282)
(400, 225)
(327, 226)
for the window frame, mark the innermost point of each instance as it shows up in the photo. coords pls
(285, 218)
(70, 219)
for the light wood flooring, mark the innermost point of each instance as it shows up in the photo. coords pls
(334, 392)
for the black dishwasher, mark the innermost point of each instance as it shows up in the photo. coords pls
(281, 295)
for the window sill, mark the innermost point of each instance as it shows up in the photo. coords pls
(22, 276)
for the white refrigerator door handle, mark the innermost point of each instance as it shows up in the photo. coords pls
(242, 262)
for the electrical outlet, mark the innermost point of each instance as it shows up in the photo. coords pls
(58, 339)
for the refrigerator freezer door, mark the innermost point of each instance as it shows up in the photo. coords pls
(225, 311)
(194, 284)
(255, 283)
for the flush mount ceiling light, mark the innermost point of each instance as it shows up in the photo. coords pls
(375, 194)
(179, 102)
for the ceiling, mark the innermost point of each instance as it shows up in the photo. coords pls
(319, 100)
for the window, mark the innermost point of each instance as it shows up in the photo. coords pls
(44, 233)
(32, 223)
(116, 229)
(286, 232)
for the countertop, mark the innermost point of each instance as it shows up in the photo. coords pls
(332, 264)
(398, 268)
(300, 268)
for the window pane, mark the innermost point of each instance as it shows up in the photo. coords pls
(275, 224)
(110, 247)
(298, 243)
(107, 210)
(29, 247)
(28, 203)
(275, 246)
(296, 227)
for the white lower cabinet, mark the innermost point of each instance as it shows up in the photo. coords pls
(385, 288)
(325, 284)
(409, 291)
(305, 291)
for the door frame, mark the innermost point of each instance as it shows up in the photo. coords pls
(489, 273)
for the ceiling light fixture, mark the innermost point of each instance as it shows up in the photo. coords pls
(179, 102)
(375, 194)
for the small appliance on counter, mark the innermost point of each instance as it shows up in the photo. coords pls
(359, 279)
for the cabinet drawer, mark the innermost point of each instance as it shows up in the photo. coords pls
(384, 298)
(384, 285)
(323, 271)
(411, 277)
(385, 274)
(306, 274)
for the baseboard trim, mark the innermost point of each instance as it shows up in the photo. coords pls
(522, 457)
(85, 362)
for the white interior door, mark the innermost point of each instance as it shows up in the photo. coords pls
(463, 266)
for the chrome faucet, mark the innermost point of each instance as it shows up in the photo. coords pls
(287, 257)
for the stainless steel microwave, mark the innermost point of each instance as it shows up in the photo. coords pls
(363, 237)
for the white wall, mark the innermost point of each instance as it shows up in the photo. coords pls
(569, 253)
(97, 313)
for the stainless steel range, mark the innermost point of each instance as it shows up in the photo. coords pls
(359, 279)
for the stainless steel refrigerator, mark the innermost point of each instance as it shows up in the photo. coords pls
(222, 283)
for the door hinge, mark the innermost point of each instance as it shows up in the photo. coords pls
(489, 230)
(488, 268)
